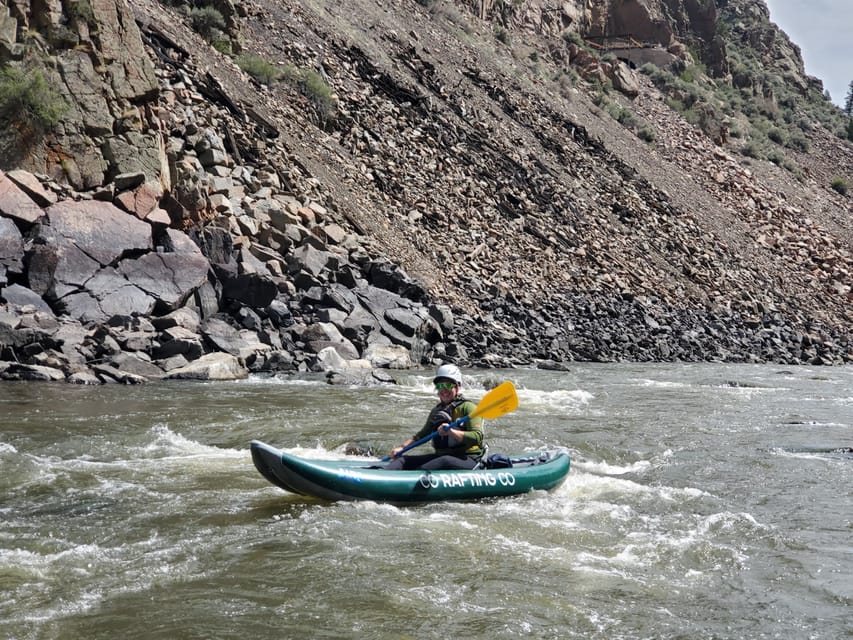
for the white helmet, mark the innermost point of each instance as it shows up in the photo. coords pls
(448, 372)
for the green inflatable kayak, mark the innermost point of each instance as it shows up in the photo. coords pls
(358, 479)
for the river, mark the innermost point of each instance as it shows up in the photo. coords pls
(704, 502)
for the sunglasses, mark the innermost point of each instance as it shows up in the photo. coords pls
(444, 385)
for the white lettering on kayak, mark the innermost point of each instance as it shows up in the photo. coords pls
(428, 481)
(350, 474)
(446, 481)
(461, 480)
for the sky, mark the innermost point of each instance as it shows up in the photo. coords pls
(823, 29)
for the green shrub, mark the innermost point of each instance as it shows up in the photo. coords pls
(319, 92)
(573, 37)
(741, 76)
(646, 134)
(223, 45)
(27, 97)
(776, 135)
(798, 142)
(623, 117)
(82, 10)
(752, 150)
(776, 157)
(693, 73)
(264, 72)
(840, 185)
(207, 22)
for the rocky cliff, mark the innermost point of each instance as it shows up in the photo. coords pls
(205, 189)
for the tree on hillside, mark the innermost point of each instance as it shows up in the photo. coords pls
(848, 109)
(848, 103)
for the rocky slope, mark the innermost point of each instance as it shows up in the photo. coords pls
(430, 181)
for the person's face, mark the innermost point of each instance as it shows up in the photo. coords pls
(447, 390)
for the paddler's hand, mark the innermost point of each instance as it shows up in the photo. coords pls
(452, 434)
(395, 452)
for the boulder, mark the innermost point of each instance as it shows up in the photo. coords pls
(83, 377)
(11, 249)
(407, 321)
(212, 366)
(21, 296)
(178, 341)
(100, 229)
(328, 359)
(137, 366)
(184, 317)
(310, 260)
(252, 289)
(169, 278)
(388, 356)
(17, 371)
(107, 294)
(32, 187)
(108, 373)
(58, 267)
(321, 335)
(15, 203)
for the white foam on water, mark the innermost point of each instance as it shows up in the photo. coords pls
(590, 484)
(5, 447)
(261, 380)
(317, 452)
(822, 456)
(89, 573)
(166, 442)
(163, 447)
(561, 399)
(658, 384)
(525, 549)
(604, 468)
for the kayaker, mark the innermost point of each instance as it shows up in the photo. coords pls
(458, 448)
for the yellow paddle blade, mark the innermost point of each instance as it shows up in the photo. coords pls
(497, 402)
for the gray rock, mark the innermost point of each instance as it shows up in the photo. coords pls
(83, 377)
(32, 187)
(129, 363)
(212, 366)
(58, 267)
(107, 294)
(21, 296)
(252, 289)
(387, 356)
(184, 317)
(11, 248)
(108, 373)
(14, 203)
(328, 359)
(243, 344)
(321, 335)
(178, 341)
(175, 362)
(16, 371)
(312, 261)
(100, 229)
(406, 321)
(169, 278)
